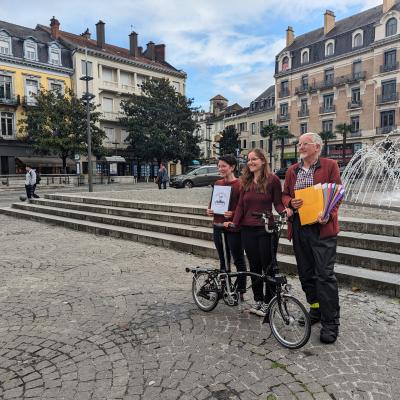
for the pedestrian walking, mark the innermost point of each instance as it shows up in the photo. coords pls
(38, 179)
(260, 189)
(315, 245)
(30, 181)
(162, 177)
(227, 168)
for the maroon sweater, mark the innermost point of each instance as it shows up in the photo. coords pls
(252, 201)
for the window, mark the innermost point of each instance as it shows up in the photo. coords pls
(327, 126)
(110, 135)
(355, 124)
(124, 136)
(244, 144)
(261, 125)
(261, 144)
(355, 96)
(390, 59)
(242, 126)
(87, 68)
(125, 78)
(32, 89)
(328, 102)
(30, 50)
(304, 107)
(253, 144)
(270, 122)
(329, 74)
(5, 87)
(304, 82)
(388, 89)
(6, 124)
(140, 80)
(391, 27)
(357, 40)
(107, 104)
(285, 63)
(284, 88)
(284, 109)
(253, 128)
(303, 128)
(329, 49)
(5, 44)
(107, 74)
(305, 57)
(357, 73)
(176, 86)
(387, 121)
(56, 87)
(54, 55)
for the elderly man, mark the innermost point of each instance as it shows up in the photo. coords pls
(315, 245)
(30, 181)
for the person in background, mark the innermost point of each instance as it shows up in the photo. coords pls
(227, 168)
(162, 177)
(260, 190)
(315, 245)
(38, 179)
(30, 181)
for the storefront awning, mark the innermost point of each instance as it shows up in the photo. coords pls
(44, 161)
(115, 159)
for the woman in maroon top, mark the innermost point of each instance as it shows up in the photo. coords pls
(260, 189)
(226, 168)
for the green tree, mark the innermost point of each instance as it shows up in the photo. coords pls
(160, 124)
(229, 141)
(343, 129)
(325, 136)
(278, 133)
(56, 125)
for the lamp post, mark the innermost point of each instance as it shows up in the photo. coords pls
(88, 97)
(208, 137)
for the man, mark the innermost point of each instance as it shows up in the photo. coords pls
(315, 245)
(162, 177)
(30, 181)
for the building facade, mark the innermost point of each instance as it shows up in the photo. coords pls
(30, 60)
(346, 72)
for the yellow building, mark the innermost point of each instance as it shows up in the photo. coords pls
(30, 60)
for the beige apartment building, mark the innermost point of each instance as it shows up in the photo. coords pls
(346, 72)
(117, 72)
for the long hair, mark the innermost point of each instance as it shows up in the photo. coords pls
(247, 177)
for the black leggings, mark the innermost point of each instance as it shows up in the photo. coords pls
(257, 245)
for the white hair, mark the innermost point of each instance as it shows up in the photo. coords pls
(315, 138)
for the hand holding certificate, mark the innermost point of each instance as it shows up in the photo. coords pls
(220, 199)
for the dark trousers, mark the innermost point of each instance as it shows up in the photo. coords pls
(233, 247)
(29, 191)
(257, 244)
(34, 192)
(164, 184)
(315, 262)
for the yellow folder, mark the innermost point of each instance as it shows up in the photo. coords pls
(313, 203)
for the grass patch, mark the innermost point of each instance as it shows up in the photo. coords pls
(278, 365)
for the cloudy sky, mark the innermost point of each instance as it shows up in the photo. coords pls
(226, 47)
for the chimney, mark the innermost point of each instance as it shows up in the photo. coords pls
(55, 28)
(86, 34)
(289, 36)
(100, 34)
(329, 21)
(133, 44)
(140, 50)
(160, 52)
(150, 51)
(387, 5)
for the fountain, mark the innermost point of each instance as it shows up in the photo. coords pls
(372, 177)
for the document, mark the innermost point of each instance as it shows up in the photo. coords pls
(313, 203)
(220, 199)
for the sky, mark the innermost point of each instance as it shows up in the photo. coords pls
(226, 47)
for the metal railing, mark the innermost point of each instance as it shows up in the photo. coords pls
(46, 179)
(383, 130)
(303, 113)
(326, 109)
(388, 98)
(354, 104)
(283, 118)
(10, 101)
(389, 67)
(284, 93)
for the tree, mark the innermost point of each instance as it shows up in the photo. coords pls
(160, 124)
(269, 131)
(325, 136)
(229, 141)
(56, 125)
(343, 129)
(279, 133)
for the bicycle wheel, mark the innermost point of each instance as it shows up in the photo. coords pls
(289, 322)
(204, 291)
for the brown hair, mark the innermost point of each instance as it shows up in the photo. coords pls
(247, 176)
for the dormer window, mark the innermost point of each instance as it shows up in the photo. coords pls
(391, 27)
(305, 56)
(285, 63)
(329, 48)
(357, 39)
(54, 55)
(30, 50)
(5, 44)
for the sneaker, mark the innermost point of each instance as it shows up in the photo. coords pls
(329, 333)
(256, 307)
(262, 312)
(315, 316)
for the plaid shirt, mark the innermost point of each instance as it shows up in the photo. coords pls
(305, 178)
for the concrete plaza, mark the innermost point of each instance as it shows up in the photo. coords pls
(91, 317)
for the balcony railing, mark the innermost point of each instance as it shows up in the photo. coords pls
(10, 101)
(327, 109)
(303, 113)
(354, 104)
(301, 89)
(388, 98)
(355, 134)
(283, 118)
(29, 101)
(284, 93)
(327, 84)
(389, 67)
(111, 116)
(383, 130)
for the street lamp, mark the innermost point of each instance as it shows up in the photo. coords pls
(88, 97)
(208, 137)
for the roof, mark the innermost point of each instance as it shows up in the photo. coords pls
(269, 92)
(219, 97)
(24, 33)
(82, 42)
(353, 22)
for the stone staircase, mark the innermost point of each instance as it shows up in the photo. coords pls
(368, 254)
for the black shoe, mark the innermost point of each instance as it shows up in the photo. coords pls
(329, 333)
(315, 316)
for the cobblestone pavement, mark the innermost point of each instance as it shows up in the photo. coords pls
(92, 317)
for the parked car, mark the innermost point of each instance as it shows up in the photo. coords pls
(281, 172)
(202, 176)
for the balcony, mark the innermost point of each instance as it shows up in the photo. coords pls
(284, 93)
(116, 87)
(283, 118)
(301, 89)
(327, 109)
(10, 101)
(303, 113)
(354, 104)
(111, 116)
(29, 101)
(388, 98)
(356, 76)
(327, 84)
(389, 67)
(383, 130)
(355, 134)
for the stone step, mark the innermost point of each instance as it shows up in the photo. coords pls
(390, 244)
(355, 257)
(348, 224)
(365, 279)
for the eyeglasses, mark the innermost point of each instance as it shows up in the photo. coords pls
(305, 144)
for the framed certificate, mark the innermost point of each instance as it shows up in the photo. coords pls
(220, 199)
